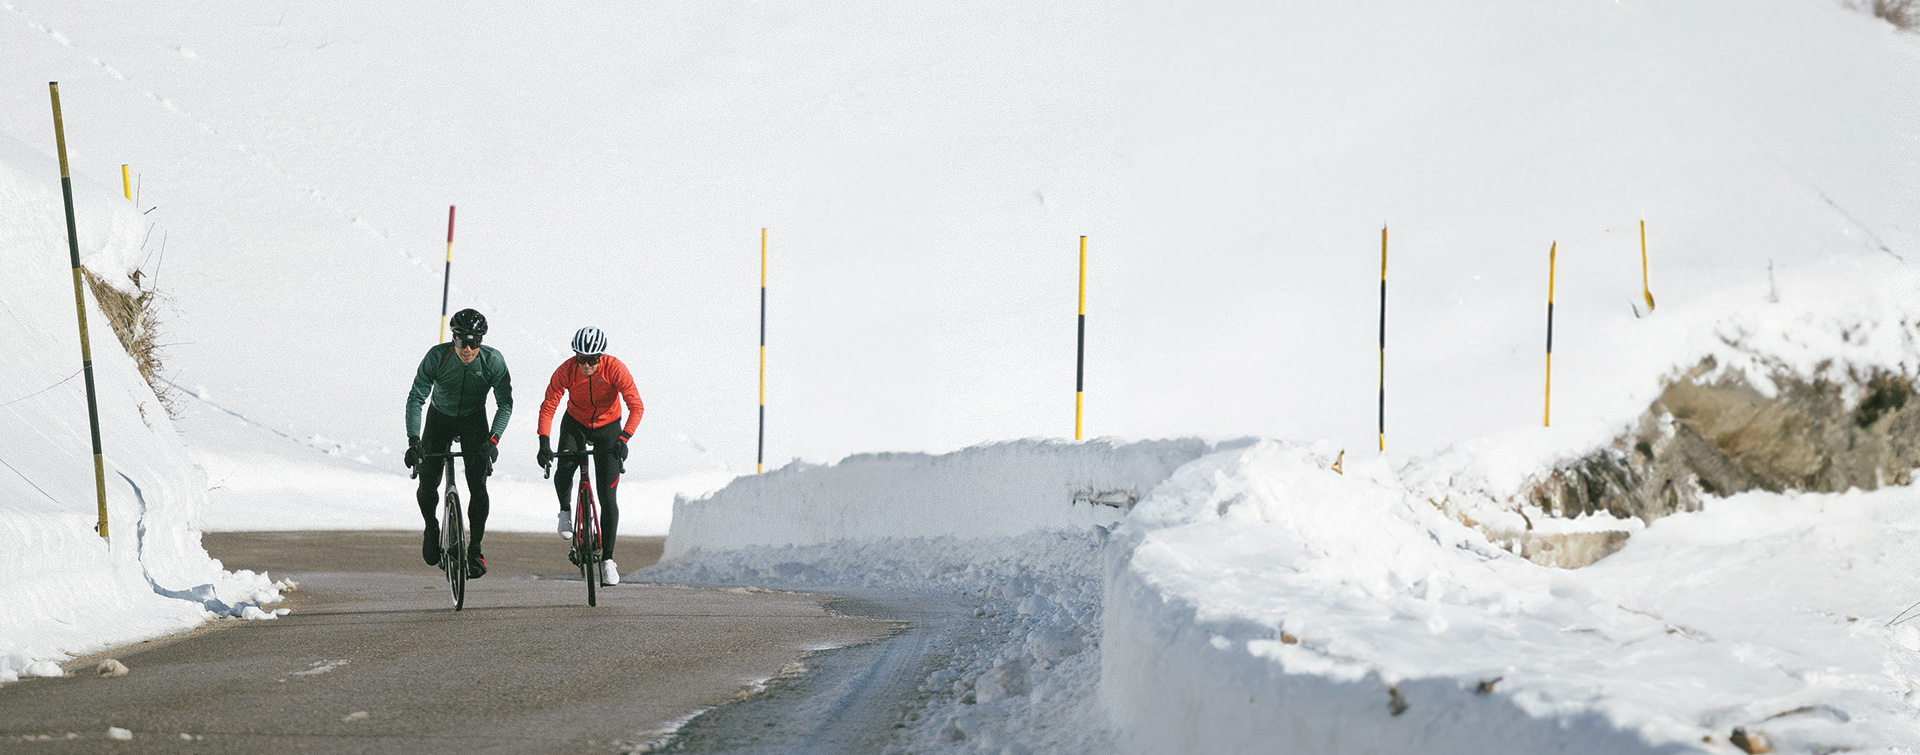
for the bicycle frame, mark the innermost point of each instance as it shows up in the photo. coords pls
(586, 550)
(453, 530)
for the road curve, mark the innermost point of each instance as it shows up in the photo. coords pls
(372, 658)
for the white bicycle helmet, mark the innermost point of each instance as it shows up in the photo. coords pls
(589, 341)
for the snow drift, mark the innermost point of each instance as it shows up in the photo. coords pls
(64, 591)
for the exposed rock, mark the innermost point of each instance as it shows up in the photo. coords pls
(1751, 743)
(1724, 436)
(1395, 703)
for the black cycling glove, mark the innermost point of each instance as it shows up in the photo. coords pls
(545, 456)
(413, 450)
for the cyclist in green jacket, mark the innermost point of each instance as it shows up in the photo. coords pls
(458, 375)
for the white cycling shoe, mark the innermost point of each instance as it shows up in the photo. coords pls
(610, 573)
(566, 524)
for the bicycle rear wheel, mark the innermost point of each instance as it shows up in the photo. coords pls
(454, 559)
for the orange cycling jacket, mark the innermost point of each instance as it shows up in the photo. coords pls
(592, 400)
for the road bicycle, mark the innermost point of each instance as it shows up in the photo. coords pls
(453, 531)
(586, 551)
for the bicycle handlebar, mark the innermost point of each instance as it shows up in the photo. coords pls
(569, 455)
(415, 474)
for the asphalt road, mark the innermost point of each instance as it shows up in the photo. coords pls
(373, 658)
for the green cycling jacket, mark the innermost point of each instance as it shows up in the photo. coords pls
(461, 389)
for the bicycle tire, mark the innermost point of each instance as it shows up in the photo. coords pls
(455, 558)
(590, 567)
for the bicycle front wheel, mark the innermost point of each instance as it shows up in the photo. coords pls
(454, 558)
(591, 567)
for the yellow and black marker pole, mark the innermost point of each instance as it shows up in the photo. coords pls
(1383, 338)
(126, 182)
(1546, 418)
(760, 452)
(1080, 357)
(1645, 289)
(446, 278)
(80, 307)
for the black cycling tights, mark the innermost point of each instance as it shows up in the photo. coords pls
(475, 437)
(606, 466)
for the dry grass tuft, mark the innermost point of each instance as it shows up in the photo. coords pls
(134, 322)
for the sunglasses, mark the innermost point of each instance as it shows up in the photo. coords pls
(467, 343)
(586, 358)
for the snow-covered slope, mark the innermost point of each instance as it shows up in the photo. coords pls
(1762, 142)
(925, 172)
(63, 590)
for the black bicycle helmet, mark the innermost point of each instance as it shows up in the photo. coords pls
(468, 323)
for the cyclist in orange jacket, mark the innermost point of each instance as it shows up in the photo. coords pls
(596, 384)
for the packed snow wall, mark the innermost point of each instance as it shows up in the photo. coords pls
(1174, 683)
(65, 591)
(997, 490)
(1259, 600)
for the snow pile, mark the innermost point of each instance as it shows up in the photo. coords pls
(63, 590)
(1258, 600)
(996, 490)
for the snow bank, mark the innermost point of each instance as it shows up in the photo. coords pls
(1006, 537)
(1254, 600)
(63, 590)
(997, 490)
(1258, 600)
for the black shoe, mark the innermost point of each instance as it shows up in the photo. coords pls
(476, 564)
(430, 544)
